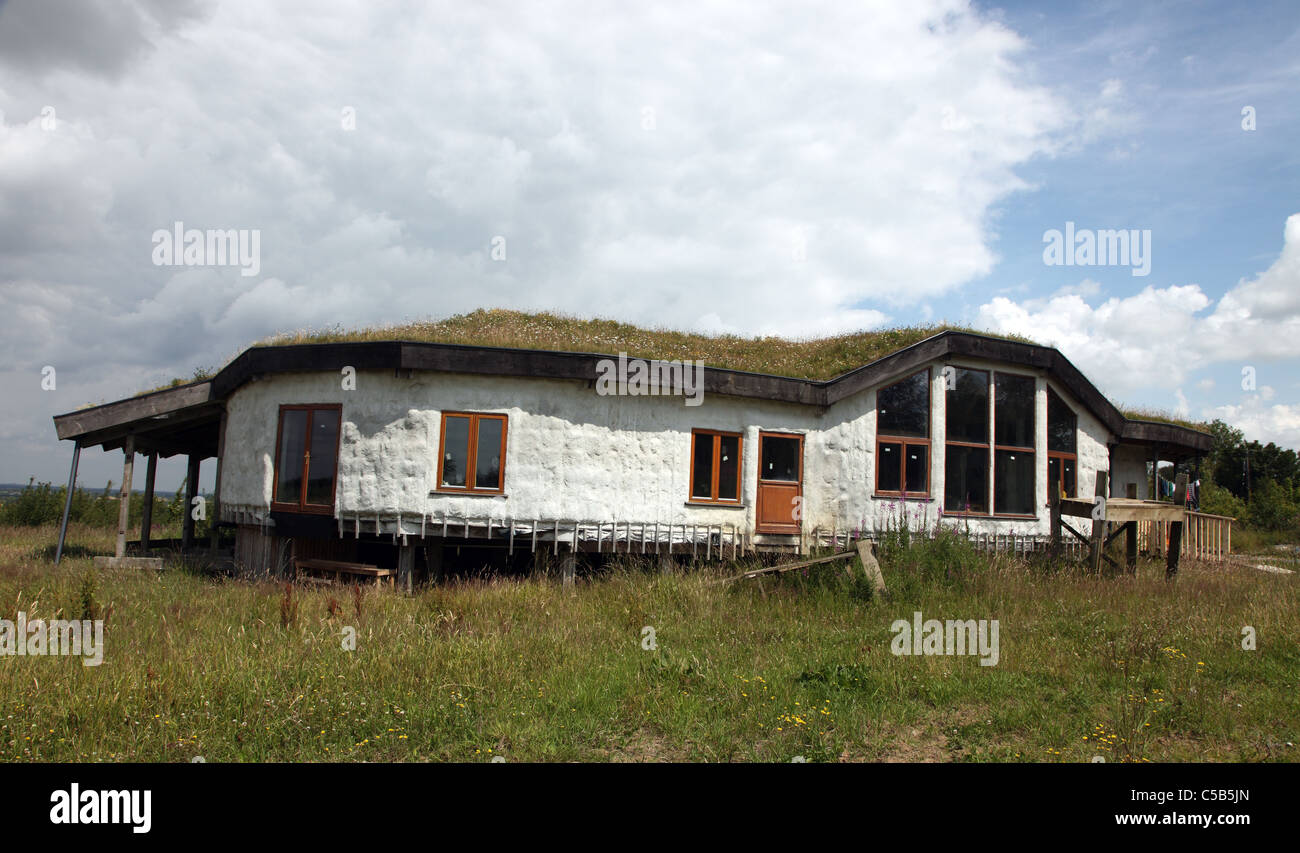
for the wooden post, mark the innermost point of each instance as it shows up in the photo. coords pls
(1175, 545)
(146, 516)
(1098, 527)
(405, 567)
(666, 563)
(569, 568)
(67, 500)
(1131, 547)
(191, 490)
(867, 553)
(433, 561)
(214, 515)
(124, 496)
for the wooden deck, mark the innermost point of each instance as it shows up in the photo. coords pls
(1164, 527)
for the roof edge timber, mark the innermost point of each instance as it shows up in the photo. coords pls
(552, 364)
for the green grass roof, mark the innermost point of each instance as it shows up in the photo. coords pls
(802, 358)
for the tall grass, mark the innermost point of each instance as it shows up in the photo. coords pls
(756, 670)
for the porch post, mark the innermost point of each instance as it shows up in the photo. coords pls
(124, 497)
(1097, 543)
(568, 568)
(67, 501)
(214, 517)
(405, 566)
(146, 516)
(191, 489)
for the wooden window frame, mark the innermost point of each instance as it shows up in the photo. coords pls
(302, 506)
(717, 436)
(992, 447)
(882, 438)
(471, 455)
(1063, 455)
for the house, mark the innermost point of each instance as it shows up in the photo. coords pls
(406, 454)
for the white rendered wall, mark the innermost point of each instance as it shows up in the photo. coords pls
(575, 455)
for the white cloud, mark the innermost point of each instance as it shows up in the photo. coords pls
(1157, 338)
(866, 134)
(1279, 423)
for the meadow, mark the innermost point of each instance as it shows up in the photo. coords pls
(791, 668)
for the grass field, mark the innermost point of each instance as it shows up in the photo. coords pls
(1131, 669)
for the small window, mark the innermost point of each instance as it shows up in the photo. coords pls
(966, 479)
(1013, 477)
(472, 453)
(780, 462)
(1061, 474)
(1014, 409)
(903, 409)
(306, 458)
(968, 407)
(715, 466)
(903, 436)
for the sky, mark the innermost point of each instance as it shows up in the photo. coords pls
(797, 168)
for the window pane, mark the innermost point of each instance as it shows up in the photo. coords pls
(487, 465)
(780, 459)
(966, 479)
(1069, 477)
(702, 468)
(1061, 424)
(889, 467)
(968, 406)
(1014, 410)
(904, 407)
(729, 468)
(293, 436)
(1013, 481)
(1054, 474)
(324, 450)
(455, 451)
(916, 468)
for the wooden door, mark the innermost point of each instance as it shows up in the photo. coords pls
(780, 483)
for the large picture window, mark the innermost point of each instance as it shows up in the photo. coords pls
(1062, 452)
(903, 436)
(989, 455)
(472, 455)
(306, 458)
(966, 445)
(715, 466)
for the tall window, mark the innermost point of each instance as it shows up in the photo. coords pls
(1062, 453)
(966, 444)
(472, 457)
(715, 466)
(306, 458)
(1013, 471)
(903, 436)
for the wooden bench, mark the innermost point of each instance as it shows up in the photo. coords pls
(338, 569)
